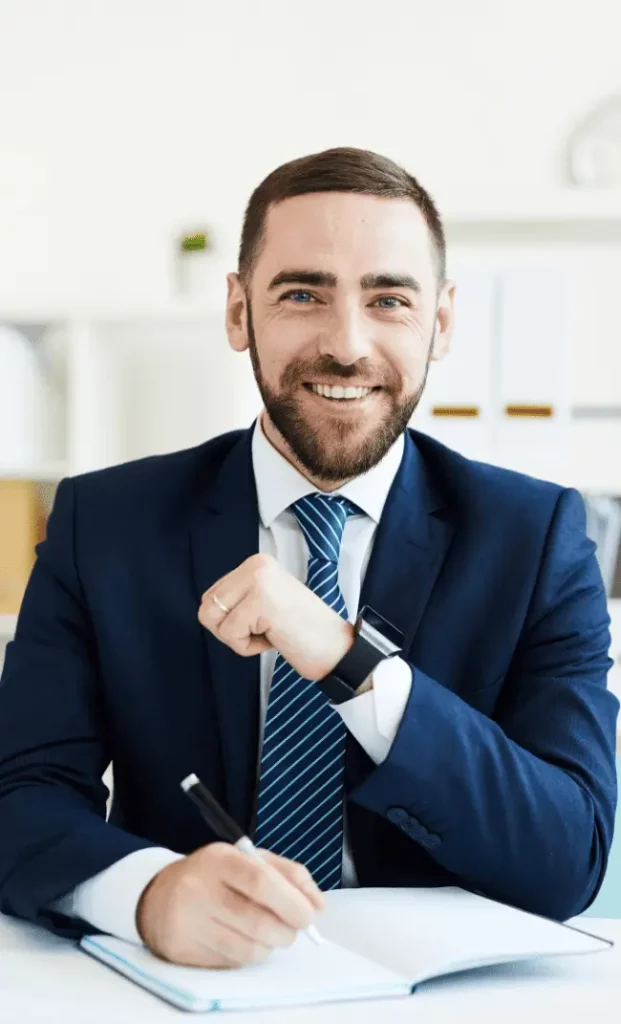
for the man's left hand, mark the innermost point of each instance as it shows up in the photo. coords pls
(270, 608)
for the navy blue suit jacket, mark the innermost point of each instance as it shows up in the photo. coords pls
(501, 777)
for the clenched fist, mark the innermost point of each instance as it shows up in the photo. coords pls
(266, 608)
(220, 908)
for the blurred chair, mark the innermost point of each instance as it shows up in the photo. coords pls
(608, 901)
(604, 527)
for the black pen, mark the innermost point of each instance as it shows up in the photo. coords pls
(227, 829)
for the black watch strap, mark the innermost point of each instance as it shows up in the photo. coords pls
(376, 639)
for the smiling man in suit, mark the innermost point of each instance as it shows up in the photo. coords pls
(386, 661)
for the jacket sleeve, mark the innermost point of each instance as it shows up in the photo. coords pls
(53, 749)
(519, 805)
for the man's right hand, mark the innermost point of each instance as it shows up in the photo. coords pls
(220, 908)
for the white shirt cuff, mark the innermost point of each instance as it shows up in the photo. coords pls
(109, 901)
(375, 716)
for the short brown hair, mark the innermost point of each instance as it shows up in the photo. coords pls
(335, 170)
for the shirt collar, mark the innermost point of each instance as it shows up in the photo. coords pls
(279, 484)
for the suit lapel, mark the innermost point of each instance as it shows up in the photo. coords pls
(410, 547)
(224, 533)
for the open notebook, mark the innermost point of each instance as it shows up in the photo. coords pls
(377, 943)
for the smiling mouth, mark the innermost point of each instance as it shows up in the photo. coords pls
(341, 393)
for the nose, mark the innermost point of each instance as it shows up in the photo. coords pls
(347, 338)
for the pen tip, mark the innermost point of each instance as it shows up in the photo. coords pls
(188, 782)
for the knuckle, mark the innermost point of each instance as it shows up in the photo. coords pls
(262, 560)
(259, 882)
(216, 853)
(188, 885)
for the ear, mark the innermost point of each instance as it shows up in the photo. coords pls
(445, 318)
(236, 319)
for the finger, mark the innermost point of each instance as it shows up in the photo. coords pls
(252, 921)
(256, 645)
(298, 875)
(211, 615)
(231, 947)
(260, 882)
(244, 626)
(232, 584)
(218, 585)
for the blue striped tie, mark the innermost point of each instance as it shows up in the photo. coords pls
(300, 804)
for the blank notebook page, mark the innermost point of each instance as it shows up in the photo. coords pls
(303, 974)
(422, 933)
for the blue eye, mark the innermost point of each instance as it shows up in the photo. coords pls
(299, 296)
(390, 299)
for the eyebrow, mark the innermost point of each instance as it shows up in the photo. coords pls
(315, 278)
(320, 279)
(386, 280)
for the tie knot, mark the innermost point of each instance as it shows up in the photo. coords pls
(322, 518)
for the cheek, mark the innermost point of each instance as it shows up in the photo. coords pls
(286, 340)
(407, 356)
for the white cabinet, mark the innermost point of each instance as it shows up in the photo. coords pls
(502, 393)
(458, 403)
(533, 402)
(133, 384)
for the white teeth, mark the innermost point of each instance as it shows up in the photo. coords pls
(340, 392)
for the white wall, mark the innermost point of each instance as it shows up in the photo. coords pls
(123, 120)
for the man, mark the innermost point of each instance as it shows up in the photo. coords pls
(195, 613)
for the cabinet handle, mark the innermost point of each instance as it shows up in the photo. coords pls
(456, 410)
(540, 411)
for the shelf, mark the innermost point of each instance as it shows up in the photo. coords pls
(559, 204)
(177, 311)
(527, 231)
(45, 472)
(568, 215)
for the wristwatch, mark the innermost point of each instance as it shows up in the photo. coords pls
(376, 639)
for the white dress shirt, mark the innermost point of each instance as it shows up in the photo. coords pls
(109, 900)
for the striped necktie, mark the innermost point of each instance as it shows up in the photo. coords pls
(300, 800)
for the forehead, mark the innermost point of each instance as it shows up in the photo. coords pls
(347, 234)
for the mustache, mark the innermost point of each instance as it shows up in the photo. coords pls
(328, 367)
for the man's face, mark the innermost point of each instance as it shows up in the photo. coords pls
(344, 293)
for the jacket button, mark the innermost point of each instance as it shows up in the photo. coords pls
(398, 815)
(416, 830)
(429, 840)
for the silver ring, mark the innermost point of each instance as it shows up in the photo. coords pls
(220, 604)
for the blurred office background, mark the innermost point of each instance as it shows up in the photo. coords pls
(127, 126)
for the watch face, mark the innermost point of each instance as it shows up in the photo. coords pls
(389, 635)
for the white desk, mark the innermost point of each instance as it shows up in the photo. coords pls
(45, 980)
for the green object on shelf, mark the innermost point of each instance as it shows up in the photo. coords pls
(198, 242)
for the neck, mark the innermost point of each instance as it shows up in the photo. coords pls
(278, 442)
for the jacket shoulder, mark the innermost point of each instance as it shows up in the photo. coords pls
(484, 487)
(173, 474)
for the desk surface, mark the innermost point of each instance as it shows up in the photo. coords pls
(44, 979)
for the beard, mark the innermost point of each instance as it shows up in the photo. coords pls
(348, 452)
